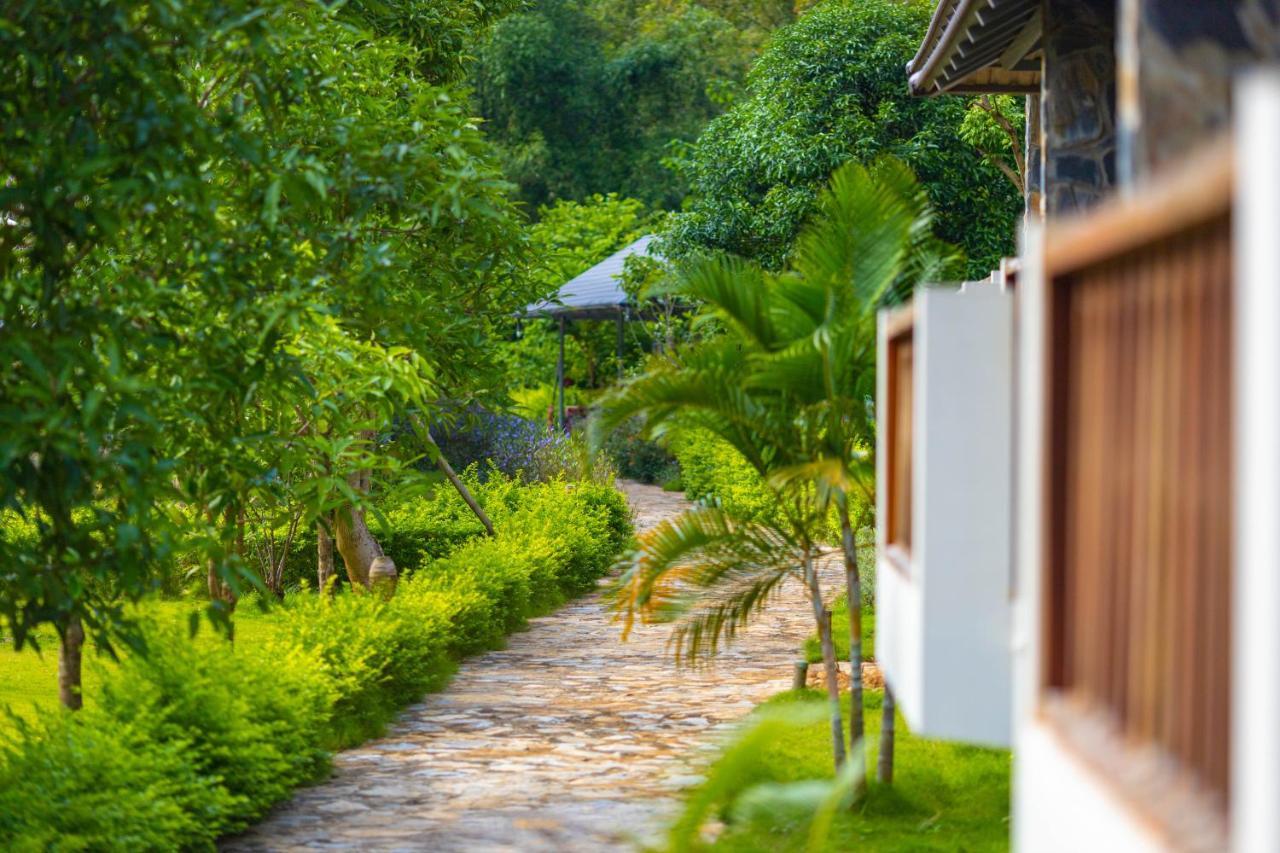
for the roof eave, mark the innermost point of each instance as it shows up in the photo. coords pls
(977, 46)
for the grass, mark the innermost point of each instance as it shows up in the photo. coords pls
(29, 678)
(945, 796)
(840, 630)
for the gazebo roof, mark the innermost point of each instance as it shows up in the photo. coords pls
(595, 293)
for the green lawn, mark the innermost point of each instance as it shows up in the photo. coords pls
(840, 628)
(29, 679)
(945, 796)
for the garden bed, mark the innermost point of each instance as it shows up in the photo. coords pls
(197, 739)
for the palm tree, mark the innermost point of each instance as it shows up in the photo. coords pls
(711, 568)
(787, 383)
(871, 245)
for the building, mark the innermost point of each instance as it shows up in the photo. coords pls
(1142, 504)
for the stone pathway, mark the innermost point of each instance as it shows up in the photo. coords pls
(567, 740)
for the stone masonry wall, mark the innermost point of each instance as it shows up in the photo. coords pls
(1177, 59)
(1078, 100)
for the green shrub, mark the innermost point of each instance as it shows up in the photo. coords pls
(637, 458)
(193, 740)
(242, 718)
(712, 470)
(92, 782)
(376, 656)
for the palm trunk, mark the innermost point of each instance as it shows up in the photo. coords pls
(884, 766)
(853, 591)
(821, 616)
(70, 654)
(324, 557)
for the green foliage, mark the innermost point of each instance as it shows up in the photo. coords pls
(96, 782)
(766, 785)
(248, 723)
(587, 97)
(638, 458)
(193, 740)
(711, 470)
(238, 236)
(840, 619)
(829, 89)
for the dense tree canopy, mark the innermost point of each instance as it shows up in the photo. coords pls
(238, 238)
(587, 97)
(830, 88)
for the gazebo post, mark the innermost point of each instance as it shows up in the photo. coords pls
(622, 319)
(560, 379)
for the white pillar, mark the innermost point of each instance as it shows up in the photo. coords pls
(1255, 734)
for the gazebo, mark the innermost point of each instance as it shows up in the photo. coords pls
(596, 294)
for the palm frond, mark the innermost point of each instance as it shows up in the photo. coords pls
(717, 615)
(675, 562)
(734, 290)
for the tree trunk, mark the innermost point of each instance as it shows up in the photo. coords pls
(853, 591)
(70, 654)
(460, 486)
(353, 538)
(218, 589)
(884, 766)
(324, 556)
(823, 618)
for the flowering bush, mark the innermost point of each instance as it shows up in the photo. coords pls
(519, 447)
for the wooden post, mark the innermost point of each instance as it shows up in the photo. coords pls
(622, 319)
(560, 380)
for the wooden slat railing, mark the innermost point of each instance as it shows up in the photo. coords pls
(1138, 503)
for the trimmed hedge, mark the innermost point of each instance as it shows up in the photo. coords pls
(189, 743)
(712, 470)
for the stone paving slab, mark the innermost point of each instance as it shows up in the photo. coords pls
(567, 740)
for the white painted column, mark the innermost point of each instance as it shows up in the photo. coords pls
(1255, 742)
(1028, 486)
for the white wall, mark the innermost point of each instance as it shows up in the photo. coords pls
(1063, 807)
(942, 626)
(963, 473)
(900, 633)
(1255, 755)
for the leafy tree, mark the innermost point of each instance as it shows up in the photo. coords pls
(586, 98)
(237, 237)
(827, 89)
(995, 125)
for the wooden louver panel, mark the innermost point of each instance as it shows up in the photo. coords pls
(901, 392)
(1138, 572)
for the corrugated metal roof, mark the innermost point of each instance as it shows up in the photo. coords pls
(596, 291)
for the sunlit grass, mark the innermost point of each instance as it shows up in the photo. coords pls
(840, 631)
(945, 796)
(29, 678)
